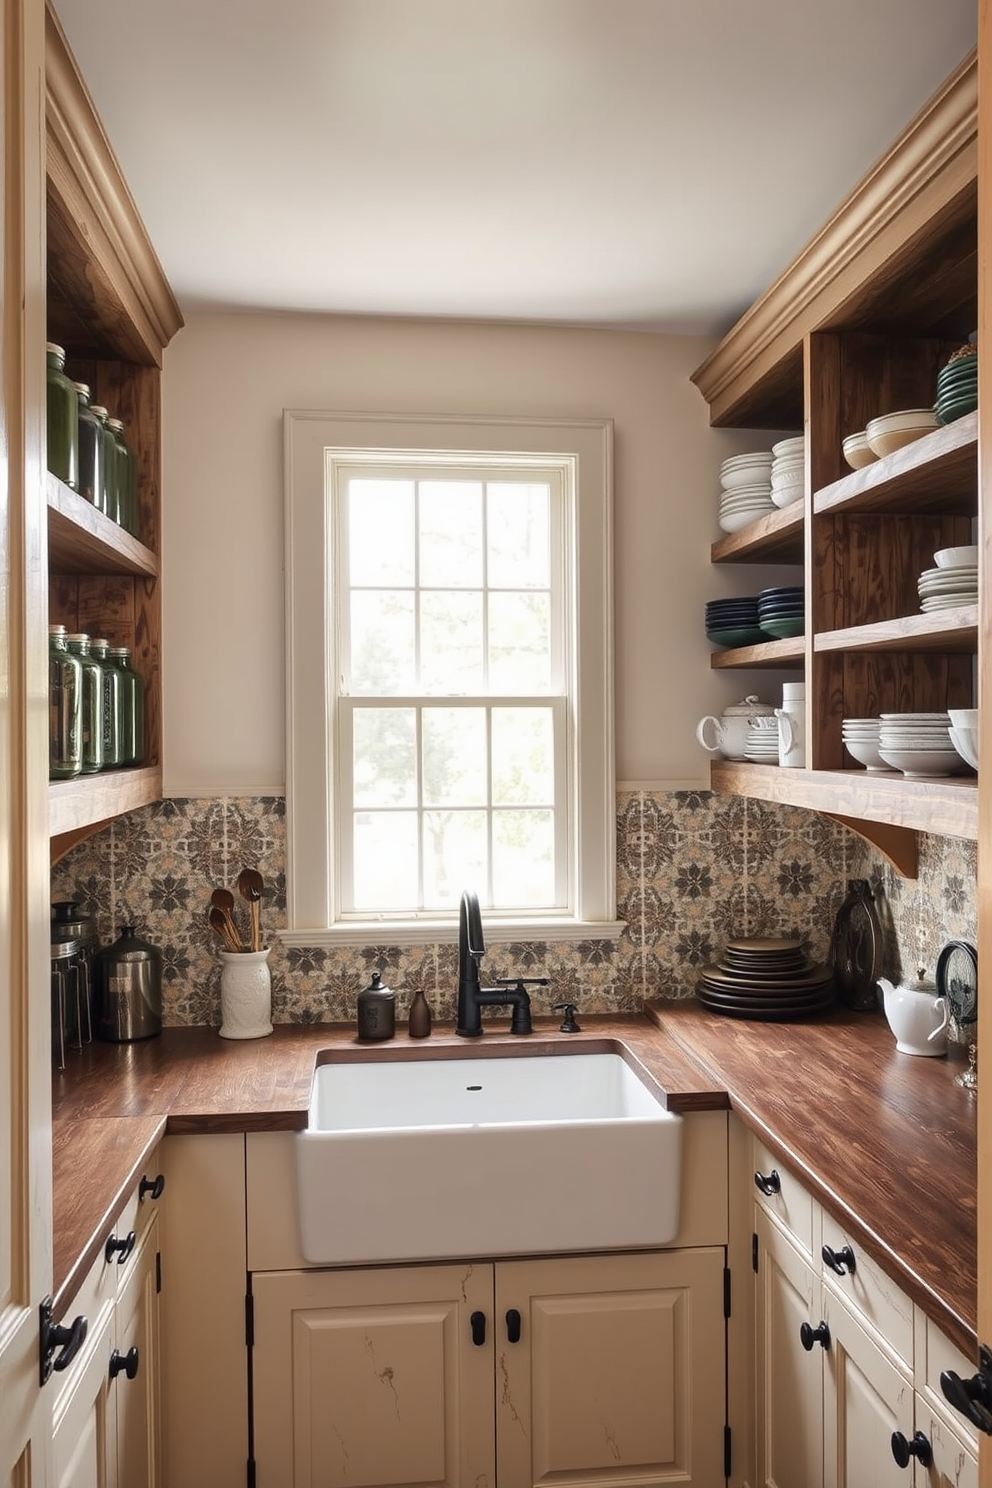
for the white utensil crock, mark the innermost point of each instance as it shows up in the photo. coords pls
(245, 994)
(792, 726)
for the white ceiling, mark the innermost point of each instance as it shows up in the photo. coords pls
(646, 163)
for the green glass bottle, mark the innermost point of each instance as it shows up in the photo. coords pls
(125, 505)
(100, 651)
(132, 710)
(92, 714)
(65, 705)
(108, 489)
(90, 447)
(63, 418)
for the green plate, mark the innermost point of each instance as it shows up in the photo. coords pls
(784, 628)
(948, 412)
(741, 636)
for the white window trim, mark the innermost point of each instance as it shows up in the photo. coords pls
(310, 899)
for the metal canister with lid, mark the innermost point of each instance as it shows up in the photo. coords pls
(70, 924)
(128, 989)
(65, 998)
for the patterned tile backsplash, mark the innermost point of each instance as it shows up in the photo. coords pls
(692, 869)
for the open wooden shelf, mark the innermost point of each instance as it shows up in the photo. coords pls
(937, 473)
(89, 799)
(788, 653)
(83, 540)
(774, 538)
(952, 630)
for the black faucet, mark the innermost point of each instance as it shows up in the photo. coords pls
(472, 996)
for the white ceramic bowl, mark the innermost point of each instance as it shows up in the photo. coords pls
(794, 446)
(857, 451)
(957, 557)
(745, 475)
(921, 764)
(865, 751)
(963, 718)
(787, 495)
(891, 431)
(965, 741)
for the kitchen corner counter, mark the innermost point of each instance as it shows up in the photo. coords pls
(885, 1141)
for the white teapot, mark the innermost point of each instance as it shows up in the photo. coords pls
(916, 1015)
(727, 734)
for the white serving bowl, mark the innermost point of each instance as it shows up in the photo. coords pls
(734, 521)
(865, 751)
(963, 718)
(891, 431)
(921, 764)
(744, 476)
(957, 557)
(857, 451)
(794, 446)
(965, 741)
(786, 495)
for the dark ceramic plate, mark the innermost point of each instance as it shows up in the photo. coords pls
(741, 636)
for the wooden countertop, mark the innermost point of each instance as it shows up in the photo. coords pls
(885, 1141)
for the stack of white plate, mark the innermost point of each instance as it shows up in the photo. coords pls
(745, 489)
(918, 744)
(954, 581)
(788, 470)
(860, 737)
(761, 741)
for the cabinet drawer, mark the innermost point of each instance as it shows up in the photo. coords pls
(95, 1302)
(883, 1306)
(790, 1204)
(934, 1353)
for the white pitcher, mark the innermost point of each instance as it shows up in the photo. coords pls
(916, 1015)
(792, 725)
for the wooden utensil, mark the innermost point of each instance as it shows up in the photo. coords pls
(250, 886)
(222, 924)
(223, 901)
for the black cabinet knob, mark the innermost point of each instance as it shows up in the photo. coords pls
(513, 1326)
(478, 1322)
(152, 1188)
(972, 1397)
(58, 1343)
(903, 1451)
(124, 1363)
(769, 1183)
(119, 1248)
(820, 1334)
(842, 1261)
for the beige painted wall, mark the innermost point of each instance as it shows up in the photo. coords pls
(227, 379)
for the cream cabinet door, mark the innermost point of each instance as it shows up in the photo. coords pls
(954, 1463)
(866, 1398)
(85, 1424)
(611, 1369)
(373, 1378)
(789, 1378)
(138, 1443)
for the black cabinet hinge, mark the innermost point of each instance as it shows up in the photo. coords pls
(158, 1271)
(726, 1452)
(249, 1321)
(726, 1291)
(754, 1254)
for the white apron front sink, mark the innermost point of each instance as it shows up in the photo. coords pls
(438, 1158)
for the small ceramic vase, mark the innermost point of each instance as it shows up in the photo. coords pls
(245, 994)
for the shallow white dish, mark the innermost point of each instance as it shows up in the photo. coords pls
(921, 764)
(796, 444)
(746, 476)
(426, 1158)
(965, 741)
(892, 431)
(957, 557)
(734, 521)
(865, 751)
(857, 451)
(788, 495)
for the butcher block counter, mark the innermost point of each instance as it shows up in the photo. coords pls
(885, 1141)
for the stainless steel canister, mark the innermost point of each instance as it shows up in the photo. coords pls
(65, 998)
(128, 989)
(69, 923)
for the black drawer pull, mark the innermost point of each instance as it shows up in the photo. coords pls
(903, 1451)
(842, 1261)
(478, 1321)
(973, 1397)
(769, 1183)
(124, 1363)
(513, 1326)
(66, 1338)
(152, 1188)
(808, 1336)
(119, 1248)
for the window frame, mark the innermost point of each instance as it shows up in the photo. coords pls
(313, 913)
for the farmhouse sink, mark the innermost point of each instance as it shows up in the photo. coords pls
(439, 1158)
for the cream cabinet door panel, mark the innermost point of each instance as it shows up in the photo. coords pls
(789, 1379)
(371, 1379)
(138, 1424)
(866, 1398)
(85, 1423)
(618, 1372)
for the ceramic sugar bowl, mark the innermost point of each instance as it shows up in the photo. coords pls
(916, 1015)
(727, 735)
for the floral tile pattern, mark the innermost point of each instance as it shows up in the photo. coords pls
(692, 869)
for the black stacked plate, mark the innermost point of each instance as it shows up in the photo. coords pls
(781, 611)
(766, 978)
(957, 386)
(734, 622)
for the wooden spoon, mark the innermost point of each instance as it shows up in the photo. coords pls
(251, 885)
(223, 901)
(222, 924)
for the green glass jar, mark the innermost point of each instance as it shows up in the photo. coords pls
(92, 742)
(65, 708)
(90, 447)
(126, 502)
(132, 710)
(100, 651)
(108, 489)
(63, 418)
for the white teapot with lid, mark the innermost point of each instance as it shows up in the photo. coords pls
(727, 734)
(916, 1015)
